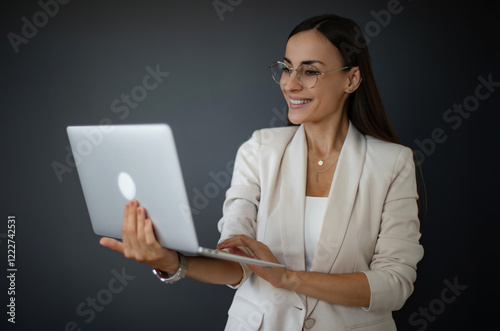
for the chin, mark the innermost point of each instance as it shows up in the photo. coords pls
(295, 122)
(295, 117)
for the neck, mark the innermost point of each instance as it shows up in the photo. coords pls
(326, 137)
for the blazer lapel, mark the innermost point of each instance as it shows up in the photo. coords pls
(340, 203)
(292, 200)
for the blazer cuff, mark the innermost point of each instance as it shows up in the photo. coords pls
(246, 270)
(246, 273)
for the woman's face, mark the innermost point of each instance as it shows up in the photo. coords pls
(326, 99)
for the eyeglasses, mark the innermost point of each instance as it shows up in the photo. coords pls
(307, 75)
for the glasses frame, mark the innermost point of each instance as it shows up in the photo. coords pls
(291, 70)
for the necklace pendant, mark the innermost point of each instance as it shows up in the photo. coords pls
(320, 162)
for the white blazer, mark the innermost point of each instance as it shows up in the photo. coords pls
(371, 225)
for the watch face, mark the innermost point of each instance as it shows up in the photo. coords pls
(164, 277)
(168, 278)
(161, 274)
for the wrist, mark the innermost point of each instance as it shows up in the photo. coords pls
(285, 282)
(168, 277)
(170, 267)
(290, 280)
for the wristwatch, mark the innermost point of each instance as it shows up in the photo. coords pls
(169, 278)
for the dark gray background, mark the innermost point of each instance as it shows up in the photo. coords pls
(219, 90)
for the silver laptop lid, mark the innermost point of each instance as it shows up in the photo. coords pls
(123, 162)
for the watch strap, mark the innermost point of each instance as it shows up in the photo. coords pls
(169, 278)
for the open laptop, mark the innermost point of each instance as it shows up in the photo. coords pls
(118, 163)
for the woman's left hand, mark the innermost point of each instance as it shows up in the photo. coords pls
(278, 277)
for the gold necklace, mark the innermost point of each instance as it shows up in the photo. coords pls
(321, 171)
(320, 162)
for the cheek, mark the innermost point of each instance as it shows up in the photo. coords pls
(326, 100)
(330, 94)
(282, 87)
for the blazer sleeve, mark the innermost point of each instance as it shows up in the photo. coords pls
(397, 251)
(243, 197)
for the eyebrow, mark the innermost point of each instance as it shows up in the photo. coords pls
(305, 62)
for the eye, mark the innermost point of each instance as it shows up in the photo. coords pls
(311, 72)
(285, 69)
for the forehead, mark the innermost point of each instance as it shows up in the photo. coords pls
(311, 45)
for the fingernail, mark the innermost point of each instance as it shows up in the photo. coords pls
(139, 211)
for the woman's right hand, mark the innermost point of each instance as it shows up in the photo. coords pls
(140, 243)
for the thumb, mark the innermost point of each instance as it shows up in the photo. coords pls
(112, 244)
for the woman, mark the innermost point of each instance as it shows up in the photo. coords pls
(333, 198)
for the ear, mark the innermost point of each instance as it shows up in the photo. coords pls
(353, 80)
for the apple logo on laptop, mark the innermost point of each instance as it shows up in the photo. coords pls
(126, 185)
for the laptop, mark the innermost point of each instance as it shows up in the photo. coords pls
(119, 163)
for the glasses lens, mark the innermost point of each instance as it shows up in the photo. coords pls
(308, 76)
(280, 73)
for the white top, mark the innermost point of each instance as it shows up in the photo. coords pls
(313, 221)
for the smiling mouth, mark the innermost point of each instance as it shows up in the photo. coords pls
(299, 101)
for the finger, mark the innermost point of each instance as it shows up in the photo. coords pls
(150, 237)
(231, 242)
(112, 244)
(131, 228)
(125, 226)
(141, 218)
(241, 240)
(125, 221)
(252, 243)
(260, 250)
(238, 251)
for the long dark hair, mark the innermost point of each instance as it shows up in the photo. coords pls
(365, 108)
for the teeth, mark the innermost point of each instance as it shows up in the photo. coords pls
(299, 102)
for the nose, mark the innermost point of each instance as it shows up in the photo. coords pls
(293, 83)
